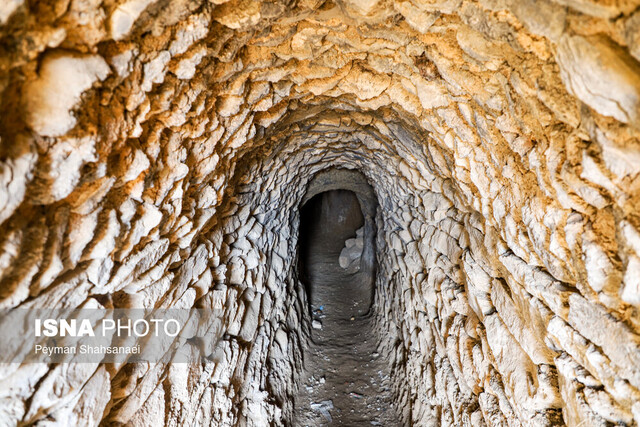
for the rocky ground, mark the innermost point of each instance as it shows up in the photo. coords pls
(346, 380)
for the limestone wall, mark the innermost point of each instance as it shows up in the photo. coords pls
(154, 153)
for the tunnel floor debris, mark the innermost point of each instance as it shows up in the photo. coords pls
(345, 381)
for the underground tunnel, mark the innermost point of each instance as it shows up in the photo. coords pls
(396, 213)
(343, 376)
(327, 222)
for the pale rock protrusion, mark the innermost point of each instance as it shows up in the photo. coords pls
(186, 67)
(7, 7)
(236, 14)
(251, 319)
(615, 338)
(125, 15)
(632, 35)
(236, 272)
(307, 44)
(62, 169)
(24, 381)
(80, 233)
(364, 83)
(151, 410)
(15, 174)
(252, 259)
(514, 367)
(123, 62)
(600, 9)
(149, 216)
(363, 7)
(282, 339)
(350, 255)
(631, 235)
(105, 237)
(601, 273)
(575, 410)
(541, 17)
(418, 19)
(602, 75)
(568, 340)
(87, 407)
(140, 262)
(229, 105)
(604, 405)
(431, 94)
(623, 161)
(443, 6)
(195, 28)
(403, 92)
(593, 172)
(155, 70)
(476, 45)
(631, 281)
(516, 323)
(61, 81)
(138, 162)
(62, 382)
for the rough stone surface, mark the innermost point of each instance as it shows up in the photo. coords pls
(602, 76)
(351, 254)
(61, 80)
(155, 154)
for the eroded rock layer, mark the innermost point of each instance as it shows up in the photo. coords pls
(155, 153)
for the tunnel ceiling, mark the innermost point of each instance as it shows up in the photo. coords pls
(154, 154)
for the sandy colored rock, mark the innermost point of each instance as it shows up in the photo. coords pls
(602, 76)
(159, 154)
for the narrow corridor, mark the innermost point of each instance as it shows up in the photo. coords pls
(345, 381)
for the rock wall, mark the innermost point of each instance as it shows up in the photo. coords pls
(154, 153)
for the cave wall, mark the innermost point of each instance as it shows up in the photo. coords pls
(155, 154)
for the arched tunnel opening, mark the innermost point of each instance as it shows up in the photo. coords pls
(331, 242)
(344, 380)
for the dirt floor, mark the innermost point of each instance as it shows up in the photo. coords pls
(345, 381)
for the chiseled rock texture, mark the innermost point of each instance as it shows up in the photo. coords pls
(153, 153)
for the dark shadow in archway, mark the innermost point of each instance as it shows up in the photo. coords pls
(327, 222)
(337, 240)
(345, 378)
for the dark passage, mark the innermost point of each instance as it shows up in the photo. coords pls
(345, 381)
(327, 221)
